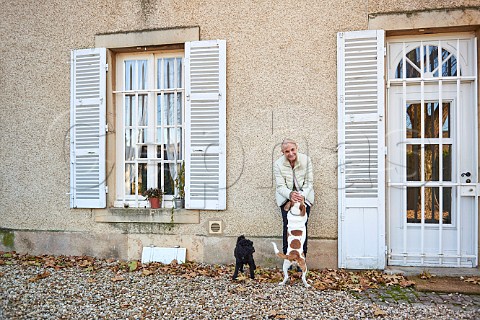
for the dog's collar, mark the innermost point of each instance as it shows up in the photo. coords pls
(293, 214)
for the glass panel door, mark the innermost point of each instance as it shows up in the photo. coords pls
(432, 153)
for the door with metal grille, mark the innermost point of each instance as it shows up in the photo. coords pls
(432, 151)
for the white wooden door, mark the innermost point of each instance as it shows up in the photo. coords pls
(361, 160)
(432, 152)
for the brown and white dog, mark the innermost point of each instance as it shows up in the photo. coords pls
(297, 219)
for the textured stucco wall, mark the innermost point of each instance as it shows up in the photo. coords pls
(281, 82)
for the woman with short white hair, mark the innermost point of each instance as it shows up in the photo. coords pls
(294, 182)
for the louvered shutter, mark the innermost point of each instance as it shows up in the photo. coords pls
(361, 160)
(87, 128)
(205, 136)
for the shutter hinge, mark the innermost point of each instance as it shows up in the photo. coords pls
(386, 150)
(106, 127)
(106, 189)
(384, 51)
(386, 250)
(341, 98)
(106, 67)
(340, 34)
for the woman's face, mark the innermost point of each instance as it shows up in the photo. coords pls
(290, 152)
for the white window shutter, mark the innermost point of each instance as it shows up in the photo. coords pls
(205, 131)
(361, 159)
(87, 128)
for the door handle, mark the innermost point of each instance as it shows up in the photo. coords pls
(466, 174)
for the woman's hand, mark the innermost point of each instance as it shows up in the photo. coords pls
(296, 197)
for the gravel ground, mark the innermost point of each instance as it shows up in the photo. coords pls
(73, 293)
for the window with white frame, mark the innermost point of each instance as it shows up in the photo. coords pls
(150, 113)
(170, 110)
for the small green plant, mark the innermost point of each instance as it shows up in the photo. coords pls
(180, 181)
(153, 193)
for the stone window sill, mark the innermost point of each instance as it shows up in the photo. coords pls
(135, 215)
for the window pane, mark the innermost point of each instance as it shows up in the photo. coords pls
(432, 122)
(142, 178)
(169, 73)
(129, 74)
(135, 74)
(141, 135)
(413, 63)
(159, 135)
(430, 61)
(169, 143)
(447, 162)
(159, 151)
(142, 152)
(431, 205)
(414, 205)
(446, 119)
(142, 115)
(169, 175)
(129, 145)
(142, 74)
(168, 109)
(129, 106)
(447, 205)
(159, 110)
(179, 108)
(413, 162)
(432, 163)
(413, 120)
(129, 179)
(179, 73)
(449, 66)
(179, 144)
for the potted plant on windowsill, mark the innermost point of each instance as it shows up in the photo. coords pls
(155, 196)
(180, 185)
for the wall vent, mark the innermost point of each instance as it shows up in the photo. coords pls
(215, 227)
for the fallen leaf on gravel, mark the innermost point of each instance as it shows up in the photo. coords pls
(91, 280)
(118, 278)
(241, 278)
(147, 272)
(241, 289)
(39, 276)
(272, 313)
(2, 274)
(378, 312)
(407, 283)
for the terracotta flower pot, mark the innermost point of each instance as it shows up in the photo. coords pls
(154, 203)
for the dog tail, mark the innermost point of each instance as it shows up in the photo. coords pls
(277, 252)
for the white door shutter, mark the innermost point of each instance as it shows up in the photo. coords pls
(361, 159)
(205, 136)
(87, 128)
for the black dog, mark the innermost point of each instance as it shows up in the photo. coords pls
(244, 255)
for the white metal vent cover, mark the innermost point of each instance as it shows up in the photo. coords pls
(215, 227)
